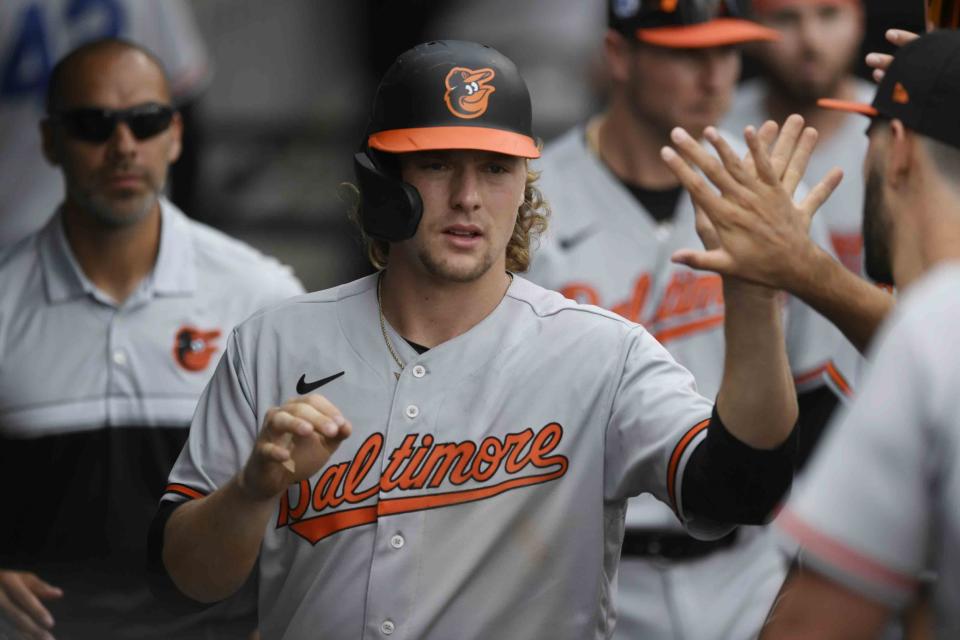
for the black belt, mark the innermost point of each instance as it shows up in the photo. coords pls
(671, 545)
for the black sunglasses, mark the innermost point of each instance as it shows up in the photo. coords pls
(96, 125)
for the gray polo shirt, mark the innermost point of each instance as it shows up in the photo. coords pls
(95, 401)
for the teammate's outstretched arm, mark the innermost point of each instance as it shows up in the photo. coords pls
(763, 234)
(211, 544)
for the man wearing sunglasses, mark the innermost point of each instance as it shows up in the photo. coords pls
(619, 214)
(34, 35)
(112, 319)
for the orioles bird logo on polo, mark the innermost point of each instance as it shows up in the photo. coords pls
(468, 91)
(419, 474)
(193, 348)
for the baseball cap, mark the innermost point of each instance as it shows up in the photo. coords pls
(921, 88)
(451, 94)
(686, 24)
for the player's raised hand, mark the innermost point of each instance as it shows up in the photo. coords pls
(880, 62)
(296, 440)
(21, 593)
(761, 233)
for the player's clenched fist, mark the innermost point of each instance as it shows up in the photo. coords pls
(296, 440)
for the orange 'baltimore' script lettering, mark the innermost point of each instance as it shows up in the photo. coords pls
(419, 463)
(691, 302)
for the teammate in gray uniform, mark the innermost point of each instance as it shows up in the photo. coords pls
(867, 537)
(618, 215)
(112, 319)
(780, 254)
(814, 58)
(466, 469)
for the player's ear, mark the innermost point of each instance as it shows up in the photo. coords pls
(50, 146)
(901, 154)
(176, 137)
(617, 50)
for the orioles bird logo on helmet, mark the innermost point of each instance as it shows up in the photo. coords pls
(193, 348)
(468, 91)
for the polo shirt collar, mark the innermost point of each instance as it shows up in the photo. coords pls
(176, 271)
(173, 274)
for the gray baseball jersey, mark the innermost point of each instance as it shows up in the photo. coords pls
(604, 248)
(878, 529)
(95, 399)
(34, 35)
(481, 494)
(845, 148)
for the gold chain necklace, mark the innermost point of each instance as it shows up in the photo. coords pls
(383, 328)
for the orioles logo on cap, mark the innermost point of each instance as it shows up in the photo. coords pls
(468, 91)
(193, 348)
(900, 94)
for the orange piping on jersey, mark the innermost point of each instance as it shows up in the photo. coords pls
(830, 371)
(184, 490)
(841, 555)
(416, 466)
(675, 458)
(691, 327)
(839, 380)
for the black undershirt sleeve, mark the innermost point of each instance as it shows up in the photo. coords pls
(729, 481)
(816, 409)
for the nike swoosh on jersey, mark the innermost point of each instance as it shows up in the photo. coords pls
(570, 242)
(304, 387)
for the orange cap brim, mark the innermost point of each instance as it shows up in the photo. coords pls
(446, 138)
(715, 33)
(844, 105)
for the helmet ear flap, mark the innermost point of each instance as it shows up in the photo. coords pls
(390, 209)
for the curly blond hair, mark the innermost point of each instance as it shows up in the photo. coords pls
(532, 217)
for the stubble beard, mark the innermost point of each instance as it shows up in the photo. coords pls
(447, 270)
(803, 93)
(876, 232)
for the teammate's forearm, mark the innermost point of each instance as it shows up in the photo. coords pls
(211, 544)
(854, 305)
(757, 399)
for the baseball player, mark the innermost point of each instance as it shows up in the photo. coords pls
(619, 214)
(780, 254)
(814, 58)
(867, 537)
(112, 319)
(34, 34)
(444, 449)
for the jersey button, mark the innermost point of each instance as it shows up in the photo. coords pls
(119, 357)
(412, 411)
(419, 371)
(387, 627)
(397, 541)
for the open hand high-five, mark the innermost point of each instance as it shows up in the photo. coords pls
(754, 225)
